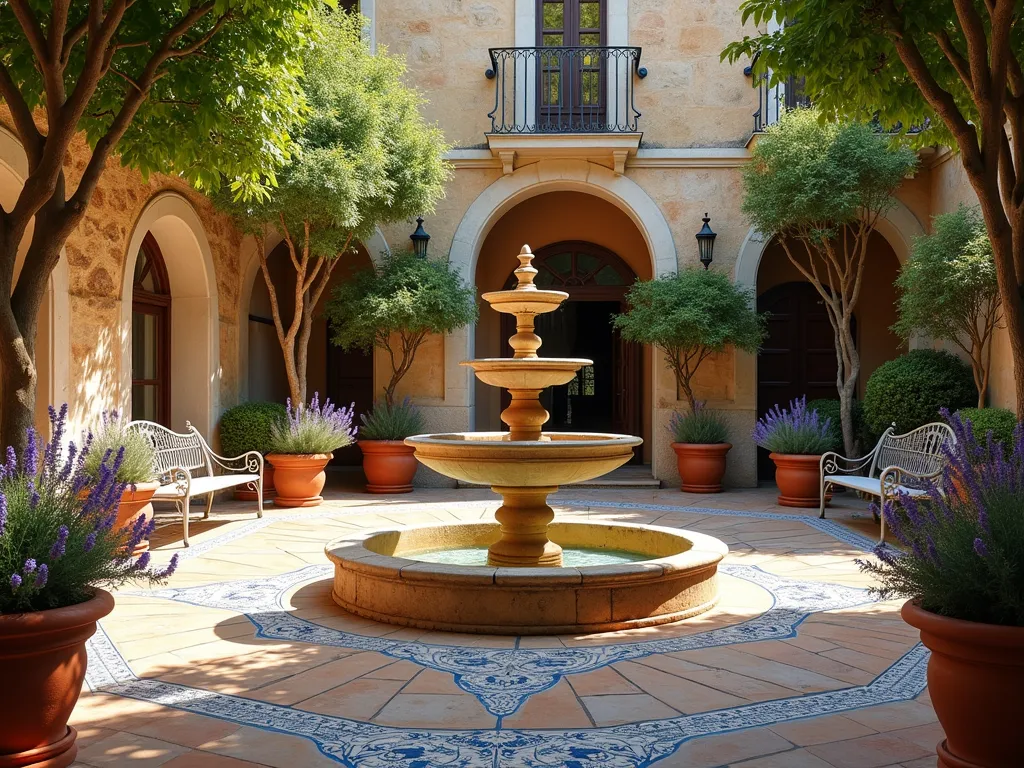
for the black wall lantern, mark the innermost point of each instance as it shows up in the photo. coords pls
(420, 238)
(706, 243)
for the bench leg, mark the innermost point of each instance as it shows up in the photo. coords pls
(183, 505)
(821, 499)
(209, 506)
(259, 496)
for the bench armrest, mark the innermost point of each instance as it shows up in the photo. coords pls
(250, 462)
(833, 463)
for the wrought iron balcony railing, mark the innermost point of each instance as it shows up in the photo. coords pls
(773, 101)
(578, 89)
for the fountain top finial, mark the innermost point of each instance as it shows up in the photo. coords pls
(525, 272)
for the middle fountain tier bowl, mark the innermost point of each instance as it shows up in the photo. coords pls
(511, 576)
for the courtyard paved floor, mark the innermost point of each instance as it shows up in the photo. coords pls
(243, 659)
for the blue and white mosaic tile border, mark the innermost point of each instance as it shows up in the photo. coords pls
(365, 745)
(503, 678)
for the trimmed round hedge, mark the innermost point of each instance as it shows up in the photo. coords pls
(999, 421)
(911, 389)
(829, 409)
(246, 427)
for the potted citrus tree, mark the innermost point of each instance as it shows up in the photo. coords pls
(962, 568)
(691, 316)
(796, 437)
(245, 428)
(136, 470)
(58, 549)
(395, 308)
(301, 446)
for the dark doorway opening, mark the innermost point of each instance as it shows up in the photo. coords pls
(349, 380)
(797, 358)
(605, 396)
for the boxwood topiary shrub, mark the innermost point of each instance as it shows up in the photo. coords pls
(1000, 421)
(911, 389)
(829, 409)
(246, 427)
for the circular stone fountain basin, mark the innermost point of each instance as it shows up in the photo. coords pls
(490, 458)
(379, 576)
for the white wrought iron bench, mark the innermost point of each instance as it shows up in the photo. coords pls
(185, 467)
(897, 464)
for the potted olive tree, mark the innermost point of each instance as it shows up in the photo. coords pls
(395, 308)
(691, 316)
(58, 548)
(796, 437)
(962, 568)
(301, 446)
(245, 428)
(136, 470)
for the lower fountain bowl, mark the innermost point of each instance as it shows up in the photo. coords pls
(377, 575)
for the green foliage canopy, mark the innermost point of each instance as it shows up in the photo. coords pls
(222, 103)
(808, 178)
(911, 389)
(364, 155)
(247, 427)
(691, 315)
(396, 306)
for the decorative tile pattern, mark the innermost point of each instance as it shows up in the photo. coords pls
(504, 678)
(365, 745)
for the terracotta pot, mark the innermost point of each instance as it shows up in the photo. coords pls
(975, 679)
(42, 666)
(389, 465)
(135, 504)
(799, 479)
(701, 465)
(299, 478)
(245, 494)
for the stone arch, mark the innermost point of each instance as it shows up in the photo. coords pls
(195, 319)
(53, 340)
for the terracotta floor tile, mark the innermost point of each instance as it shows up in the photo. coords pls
(208, 760)
(927, 736)
(433, 681)
(130, 748)
(426, 710)
(312, 682)
(679, 693)
(557, 705)
(184, 728)
(713, 751)
(777, 650)
(762, 669)
(796, 758)
(924, 762)
(399, 670)
(268, 748)
(820, 730)
(881, 749)
(359, 699)
(893, 717)
(600, 681)
(615, 709)
(867, 662)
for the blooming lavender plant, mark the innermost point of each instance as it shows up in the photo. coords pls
(313, 429)
(795, 430)
(138, 464)
(963, 544)
(58, 541)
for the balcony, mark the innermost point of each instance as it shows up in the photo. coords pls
(564, 102)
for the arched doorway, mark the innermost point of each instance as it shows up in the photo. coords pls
(605, 396)
(151, 336)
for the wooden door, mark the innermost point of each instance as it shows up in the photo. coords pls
(349, 379)
(571, 78)
(151, 336)
(798, 358)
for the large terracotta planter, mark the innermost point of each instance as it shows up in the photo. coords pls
(975, 681)
(299, 478)
(133, 505)
(247, 494)
(42, 666)
(799, 479)
(389, 465)
(701, 465)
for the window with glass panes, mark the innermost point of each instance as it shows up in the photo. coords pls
(572, 81)
(151, 336)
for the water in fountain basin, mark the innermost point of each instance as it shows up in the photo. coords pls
(572, 557)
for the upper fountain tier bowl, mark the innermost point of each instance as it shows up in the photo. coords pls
(490, 458)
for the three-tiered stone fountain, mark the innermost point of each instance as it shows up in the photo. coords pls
(527, 574)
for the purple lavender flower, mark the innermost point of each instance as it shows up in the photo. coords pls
(60, 545)
(12, 460)
(980, 548)
(15, 581)
(42, 575)
(143, 562)
(314, 429)
(3, 513)
(170, 569)
(90, 542)
(29, 567)
(30, 458)
(793, 430)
